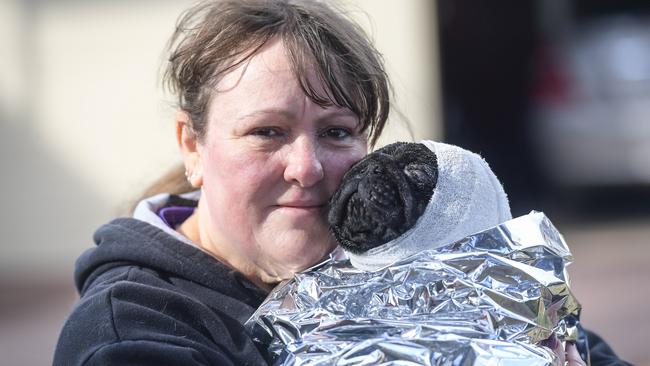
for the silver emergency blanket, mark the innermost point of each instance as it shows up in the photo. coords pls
(492, 298)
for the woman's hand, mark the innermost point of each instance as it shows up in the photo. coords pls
(569, 356)
(572, 356)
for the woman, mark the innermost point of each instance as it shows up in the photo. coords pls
(277, 100)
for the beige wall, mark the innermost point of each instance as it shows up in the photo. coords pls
(406, 33)
(85, 125)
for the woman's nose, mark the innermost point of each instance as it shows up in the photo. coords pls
(303, 163)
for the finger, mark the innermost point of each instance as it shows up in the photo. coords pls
(559, 350)
(573, 357)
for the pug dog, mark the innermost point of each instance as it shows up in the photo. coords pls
(407, 197)
(382, 196)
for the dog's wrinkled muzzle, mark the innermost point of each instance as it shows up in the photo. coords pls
(375, 203)
(369, 207)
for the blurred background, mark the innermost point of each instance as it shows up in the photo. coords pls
(554, 94)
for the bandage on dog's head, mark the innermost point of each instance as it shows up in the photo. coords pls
(411, 197)
(382, 196)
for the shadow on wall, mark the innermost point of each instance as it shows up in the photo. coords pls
(48, 218)
(49, 211)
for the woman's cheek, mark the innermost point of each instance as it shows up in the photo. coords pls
(343, 162)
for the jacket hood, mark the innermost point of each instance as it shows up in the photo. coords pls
(131, 242)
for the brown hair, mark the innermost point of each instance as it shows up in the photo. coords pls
(216, 36)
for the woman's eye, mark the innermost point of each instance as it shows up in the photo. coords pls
(336, 133)
(267, 132)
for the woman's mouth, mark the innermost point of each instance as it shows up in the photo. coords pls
(302, 207)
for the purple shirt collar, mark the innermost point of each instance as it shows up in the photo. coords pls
(173, 216)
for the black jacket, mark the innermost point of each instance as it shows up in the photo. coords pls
(149, 299)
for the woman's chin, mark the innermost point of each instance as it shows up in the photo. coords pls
(298, 254)
(296, 239)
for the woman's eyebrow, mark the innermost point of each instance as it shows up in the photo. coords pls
(267, 111)
(339, 112)
(340, 115)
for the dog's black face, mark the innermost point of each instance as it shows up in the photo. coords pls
(382, 196)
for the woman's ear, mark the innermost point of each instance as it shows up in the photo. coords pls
(189, 146)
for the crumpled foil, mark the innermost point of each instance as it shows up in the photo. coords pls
(491, 298)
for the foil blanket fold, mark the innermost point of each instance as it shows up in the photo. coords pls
(491, 298)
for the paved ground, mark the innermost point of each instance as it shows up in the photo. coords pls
(610, 276)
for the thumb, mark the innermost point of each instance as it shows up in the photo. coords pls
(573, 357)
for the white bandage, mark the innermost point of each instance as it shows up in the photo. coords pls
(468, 198)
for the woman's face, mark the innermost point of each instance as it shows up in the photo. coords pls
(269, 163)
